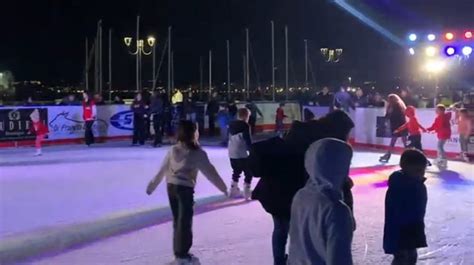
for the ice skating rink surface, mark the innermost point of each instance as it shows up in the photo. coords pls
(75, 184)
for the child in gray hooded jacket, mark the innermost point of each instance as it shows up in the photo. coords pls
(322, 225)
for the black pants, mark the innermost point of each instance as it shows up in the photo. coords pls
(405, 257)
(158, 128)
(415, 142)
(89, 135)
(139, 129)
(181, 202)
(252, 123)
(281, 227)
(212, 124)
(238, 166)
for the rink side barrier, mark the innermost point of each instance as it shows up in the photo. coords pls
(114, 122)
(364, 133)
(52, 241)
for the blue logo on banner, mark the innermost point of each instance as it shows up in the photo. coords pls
(123, 120)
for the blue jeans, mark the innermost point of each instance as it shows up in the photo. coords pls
(441, 152)
(281, 227)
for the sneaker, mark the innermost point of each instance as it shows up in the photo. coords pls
(247, 191)
(234, 190)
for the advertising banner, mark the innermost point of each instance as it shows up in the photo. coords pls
(112, 120)
(15, 123)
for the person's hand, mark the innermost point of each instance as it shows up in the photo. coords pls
(149, 189)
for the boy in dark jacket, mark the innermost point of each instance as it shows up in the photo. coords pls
(405, 207)
(239, 145)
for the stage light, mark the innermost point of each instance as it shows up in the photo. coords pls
(450, 51)
(467, 50)
(434, 66)
(411, 51)
(430, 51)
(468, 34)
(431, 37)
(449, 36)
(412, 37)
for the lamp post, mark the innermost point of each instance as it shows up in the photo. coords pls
(139, 51)
(331, 55)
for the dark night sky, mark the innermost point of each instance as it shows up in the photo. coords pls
(44, 39)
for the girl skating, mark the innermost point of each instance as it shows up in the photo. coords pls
(39, 129)
(180, 167)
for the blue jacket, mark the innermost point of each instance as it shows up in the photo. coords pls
(405, 207)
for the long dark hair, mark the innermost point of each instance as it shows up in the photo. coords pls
(186, 134)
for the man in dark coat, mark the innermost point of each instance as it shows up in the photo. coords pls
(279, 163)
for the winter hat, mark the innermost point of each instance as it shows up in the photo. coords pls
(35, 116)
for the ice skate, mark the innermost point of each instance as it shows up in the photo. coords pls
(247, 192)
(465, 158)
(192, 260)
(385, 158)
(38, 152)
(234, 191)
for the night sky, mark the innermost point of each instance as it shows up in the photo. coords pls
(44, 40)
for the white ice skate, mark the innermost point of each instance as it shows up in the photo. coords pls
(234, 191)
(38, 152)
(247, 192)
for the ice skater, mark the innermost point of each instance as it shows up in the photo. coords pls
(442, 127)
(464, 129)
(395, 113)
(89, 114)
(279, 118)
(140, 113)
(239, 145)
(322, 225)
(223, 119)
(414, 129)
(39, 129)
(405, 208)
(180, 167)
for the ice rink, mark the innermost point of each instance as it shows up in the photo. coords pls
(75, 184)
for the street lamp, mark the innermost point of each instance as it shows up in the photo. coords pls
(331, 55)
(140, 50)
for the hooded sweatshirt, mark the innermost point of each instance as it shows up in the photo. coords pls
(181, 166)
(442, 126)
(321, 226)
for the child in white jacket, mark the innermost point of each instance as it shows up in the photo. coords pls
(180, 167)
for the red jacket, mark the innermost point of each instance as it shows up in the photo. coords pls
(442, 126)
(38, 128)
(88, 110)
(413, 126)
(280, 115)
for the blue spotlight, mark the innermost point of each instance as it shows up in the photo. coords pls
(412, 37)
(450, 50)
